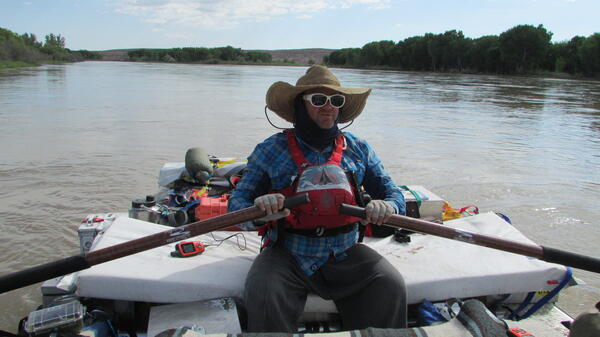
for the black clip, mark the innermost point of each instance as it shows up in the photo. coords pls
(402, 235)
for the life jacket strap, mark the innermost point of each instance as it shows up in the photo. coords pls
(322, 231)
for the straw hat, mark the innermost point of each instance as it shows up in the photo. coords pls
(281, 95)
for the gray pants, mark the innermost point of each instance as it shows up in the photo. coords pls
(367, 290)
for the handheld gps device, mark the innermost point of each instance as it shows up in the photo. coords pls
(187, 249)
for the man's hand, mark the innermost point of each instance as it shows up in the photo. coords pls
(272, 204)
(378, 211)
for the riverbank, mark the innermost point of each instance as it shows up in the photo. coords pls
(117, 56)
(15, 64)
(279, 57)
(309, 56)
(22, 64)
(538, 74)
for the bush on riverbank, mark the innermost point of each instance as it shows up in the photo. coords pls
(521, 50)
(204, 55)
(24, 50)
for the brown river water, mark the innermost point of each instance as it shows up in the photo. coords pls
(90, 137)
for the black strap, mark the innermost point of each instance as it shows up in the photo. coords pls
(360, 195)
(322, 231)
(412, 209)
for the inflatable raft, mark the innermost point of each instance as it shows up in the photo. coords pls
(472, 290)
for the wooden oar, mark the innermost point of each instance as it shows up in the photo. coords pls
(539, 252)
(79, 262)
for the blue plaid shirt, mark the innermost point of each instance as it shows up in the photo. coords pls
(271, 167)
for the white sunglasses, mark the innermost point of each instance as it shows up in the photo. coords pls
(318, 100)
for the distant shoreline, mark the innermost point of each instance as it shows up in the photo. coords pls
(18, 64)
(299, 57)
(120, 55)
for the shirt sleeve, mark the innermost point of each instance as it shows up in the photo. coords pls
(254, 183)
(378, 183)
(262, 173)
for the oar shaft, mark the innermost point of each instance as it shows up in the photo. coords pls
(173, 235)
(42, 272)
(540, 252)
(80, 262)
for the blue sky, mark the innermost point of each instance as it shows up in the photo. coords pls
(284, 24)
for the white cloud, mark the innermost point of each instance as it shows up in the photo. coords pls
(372, 4)
(179, 36)
(223, 14)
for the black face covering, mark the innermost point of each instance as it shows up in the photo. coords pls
(309, 131)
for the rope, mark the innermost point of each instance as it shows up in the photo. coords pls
(277, 127)
(417, 196)
(515, 315)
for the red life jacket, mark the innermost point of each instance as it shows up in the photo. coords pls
(327, 186)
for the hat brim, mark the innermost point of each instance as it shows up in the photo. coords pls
(281, 95)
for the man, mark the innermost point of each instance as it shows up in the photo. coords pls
(313, 248)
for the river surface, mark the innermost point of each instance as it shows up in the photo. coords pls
(90, 137)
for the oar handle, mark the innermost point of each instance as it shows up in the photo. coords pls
(296, 201)
(354, 211)
(76, 263)
(540, 252)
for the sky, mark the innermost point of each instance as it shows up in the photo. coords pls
(285, 24)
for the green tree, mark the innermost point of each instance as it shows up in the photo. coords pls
(15, 48)
(31, 40)
(572, 63)
(196, 54)
(377, 53)
(26, 48)
(213, 55)
(458, 50)
(556, 52)
(345, 57)
(484, 55)
(227, 53)
(258, 57)
(524, 48)
(435, 49)
(589, 55)
(54, 47)
(415, 53)
(57, 41)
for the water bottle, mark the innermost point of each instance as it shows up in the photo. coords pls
(145, 209)
(137, 211)
(152, 209)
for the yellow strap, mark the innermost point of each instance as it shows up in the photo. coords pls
(450, 213)
(222, 163)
